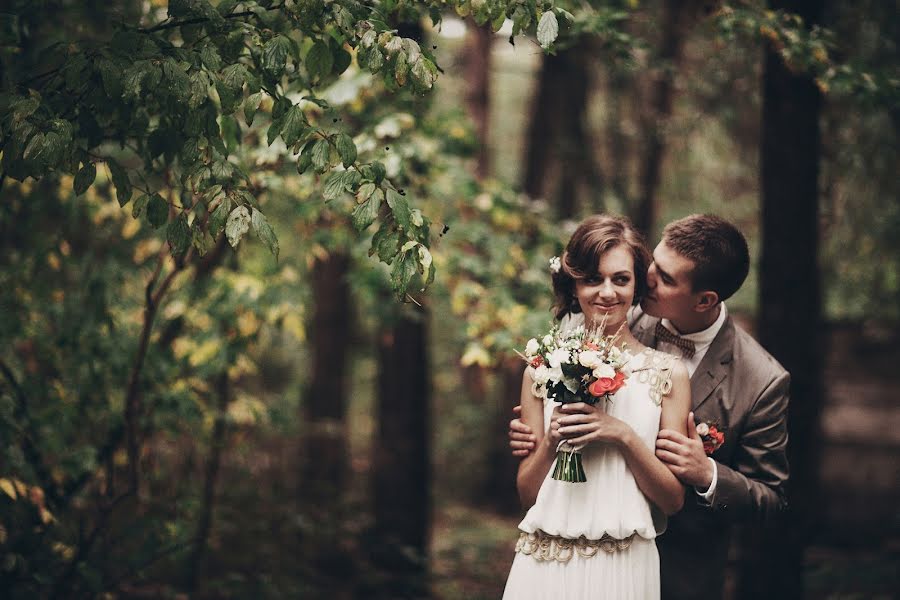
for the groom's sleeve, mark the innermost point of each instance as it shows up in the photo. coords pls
(754, 484)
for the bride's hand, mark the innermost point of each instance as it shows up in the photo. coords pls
(553, 435)
(581, 423)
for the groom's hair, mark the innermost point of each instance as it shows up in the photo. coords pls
(717, 249)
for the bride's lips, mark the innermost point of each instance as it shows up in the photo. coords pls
(606, 306)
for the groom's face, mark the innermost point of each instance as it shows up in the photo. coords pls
(670, 292)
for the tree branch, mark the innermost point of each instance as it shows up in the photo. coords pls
(29, 449)
(197, 20)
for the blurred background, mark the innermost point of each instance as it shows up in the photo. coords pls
(303, 434)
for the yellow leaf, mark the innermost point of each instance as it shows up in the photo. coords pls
(7, 486)
(20, 487)
(46, 516)
(475, 355)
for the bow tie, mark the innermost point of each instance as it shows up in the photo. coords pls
(664, 335)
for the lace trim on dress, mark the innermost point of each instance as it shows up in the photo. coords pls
(657, 373)
(545, 547)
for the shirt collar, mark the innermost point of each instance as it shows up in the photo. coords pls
(705, 336)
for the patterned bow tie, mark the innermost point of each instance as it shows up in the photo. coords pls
(664, 335)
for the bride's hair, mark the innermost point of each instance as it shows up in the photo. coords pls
(595, 236)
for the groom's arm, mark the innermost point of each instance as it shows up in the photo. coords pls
(754, 484)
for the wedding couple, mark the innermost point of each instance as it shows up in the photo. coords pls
(653, 518)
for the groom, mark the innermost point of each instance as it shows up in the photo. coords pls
(735, 384)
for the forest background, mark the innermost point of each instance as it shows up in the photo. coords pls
(222, 372)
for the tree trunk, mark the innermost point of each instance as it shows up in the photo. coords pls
(210, 481)
(500, 491)
(402, 451)
(326, 461)
(675, 18)
(790, 303)
(478, 91)
(557, 139)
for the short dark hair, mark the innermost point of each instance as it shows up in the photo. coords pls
(595, 236)
(717, 249)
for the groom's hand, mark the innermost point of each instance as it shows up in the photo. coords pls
(685, 456)
(521, 438)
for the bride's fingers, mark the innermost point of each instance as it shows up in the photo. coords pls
(570, 430)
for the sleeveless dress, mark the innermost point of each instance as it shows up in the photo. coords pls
(596, 540)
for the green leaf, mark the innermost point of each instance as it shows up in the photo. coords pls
(264, 232)
(34, 147)
(346, 149)
(366, 213)
(378, 172)
(234, 76)
(178, 234)
(219, 216)
(334, 186)
(274, 55)
(294, 127)
(305, 160)
(157, 210)
(342, 60)
(200, 239)
(138, 206)
(400, 208)
(548, 29)
(274, 130)
(321, 155)
(210, 57)
(251, 105)
(237, 225)
(84, 178)
(319, 60)
(403, 272)
(121, 181)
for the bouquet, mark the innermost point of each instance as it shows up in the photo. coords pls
(576, 365)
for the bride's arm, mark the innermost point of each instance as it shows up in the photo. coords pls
(654, 478)
(534, 467)
(587, 424)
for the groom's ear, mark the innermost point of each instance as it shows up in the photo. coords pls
(706, 301)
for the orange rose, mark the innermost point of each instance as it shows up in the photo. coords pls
(537, 361)
(607, 385)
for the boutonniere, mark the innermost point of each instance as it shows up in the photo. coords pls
(711, 436)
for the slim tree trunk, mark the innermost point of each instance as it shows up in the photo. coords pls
(675, 18)
(557, 141)
(500, 488)
(210, 481)
(478, 91)
(402, 451)
(326, 405)
(790, 302)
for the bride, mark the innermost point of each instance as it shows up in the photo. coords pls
(596, 539)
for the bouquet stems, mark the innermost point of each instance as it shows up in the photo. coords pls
(568, 467)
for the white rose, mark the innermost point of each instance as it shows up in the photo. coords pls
(589, 359)
(702, 429)
(554, 374)
(604, 370)
(558, 357)
(541, 375)
(548, 340)
(532, 347)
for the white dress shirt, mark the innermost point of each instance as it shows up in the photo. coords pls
(702, 341)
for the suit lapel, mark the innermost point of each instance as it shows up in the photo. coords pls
(714, 366)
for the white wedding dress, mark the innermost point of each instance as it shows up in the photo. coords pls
(596, 540)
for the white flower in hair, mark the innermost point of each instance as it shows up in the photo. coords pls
(555, 264)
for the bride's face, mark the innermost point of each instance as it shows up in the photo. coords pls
(610, 291)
